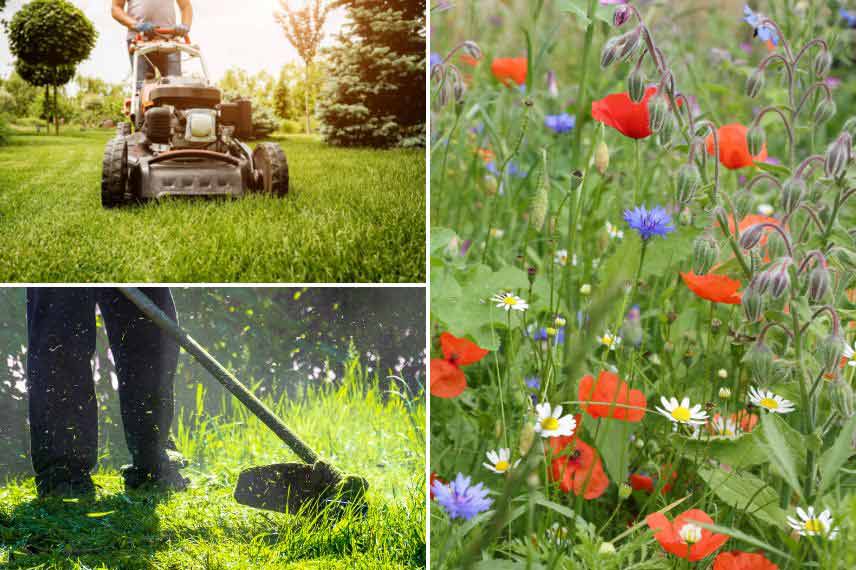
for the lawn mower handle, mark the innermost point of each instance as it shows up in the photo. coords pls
(226, 378)
(169, 32)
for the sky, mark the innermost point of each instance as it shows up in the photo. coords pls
(231, 33)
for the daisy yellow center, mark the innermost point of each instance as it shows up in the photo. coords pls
(607, 340)
(813, 525)
(681, 414)
(550, 424)
(501, 466)
(510, 301)
(769, 403)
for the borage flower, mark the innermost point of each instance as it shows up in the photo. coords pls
(715, 288)
(509, 302)
(620, 112)
(447, 378)
(683, 537)
(681, 412)
(500, 461)
(551, 422)
(461, 500)
(508, 70)
(733, 147)
(813, 524)
(739, 560)
(763, 32)
(608, 391)
(649, 223)
(576, 466)
(771, 402)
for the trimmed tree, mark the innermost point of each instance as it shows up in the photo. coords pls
(375, 92)
(50, 38)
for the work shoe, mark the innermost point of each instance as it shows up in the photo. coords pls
(81, 488)
(166, 477)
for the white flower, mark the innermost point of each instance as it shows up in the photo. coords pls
(500, 460)
(557, 534)
(690, 533)
(551, 422)
(813, 524)
(765, 209)
(682, 413)
(496, 232)
(725, 392)
(614, 232)
(850, 354)
(770, 402)
(509, 301)
(561, 257)
(609, 340)
(585, 289)
(726, 427)
(722, 373)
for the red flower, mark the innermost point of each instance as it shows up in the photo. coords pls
(739, 560)
(510, 70)
(733, 148)
(621, 113)
(641, 482)
(610, 390)
(434, 477)
(716, 288)
(447, 378)
(671, 534)
(574, 464)
(745, 420)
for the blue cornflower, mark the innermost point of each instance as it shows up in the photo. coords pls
(762, 32)
(436, 59)
(542, 334)
(649, 223)
(562, 123)
(533, 383)
(512, 170)
(460, 499)
(849, 17)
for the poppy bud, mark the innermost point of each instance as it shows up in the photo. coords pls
(705, 252)
(825, 110)
(636, 84)
(610, 52)
(538, 206)
(756, 138)
(793, 191)
(822, 64)
(829, 352)
(753, 305)
(841, 395)
(601, 157)
(759, 359)
(657, 111)
(629, 44)
(621, 15)
(818, 283)
(780, 282)
(754, 84)
(689, 181)
(837, 156)
(472, 49)
(751, 236)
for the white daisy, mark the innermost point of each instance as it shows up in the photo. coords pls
(561, 257)
(770, 402)
(690, 533)
(509, 302)
(551, 422)
(614, 232)
(725, 427)
(557, 534)
(609, 340)
(765, 209)
(500, 460)
(850, 354)
(496, 232)
(813, 524)
(681, 412)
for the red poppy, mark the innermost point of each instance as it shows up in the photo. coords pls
(668, 534)
(739, 560)
(469, 60)
(447, 378)
(510, 70)
(574, 463)
(745, 420)
(733, 148)
(610, 390)
(621, 113)
(716, 288)
(641, 482)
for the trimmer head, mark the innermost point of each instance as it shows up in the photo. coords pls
(290, 487)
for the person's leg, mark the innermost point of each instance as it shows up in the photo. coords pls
(146, 360)
(62, 404)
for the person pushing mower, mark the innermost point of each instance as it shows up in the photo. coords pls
(63, 406)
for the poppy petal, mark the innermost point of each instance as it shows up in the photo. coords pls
(716, 288)
(447, 380)
(733, 147)
(461, 351)
(510, 69)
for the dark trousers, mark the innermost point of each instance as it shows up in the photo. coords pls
(63, 405)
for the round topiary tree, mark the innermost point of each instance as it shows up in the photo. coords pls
(50, 38)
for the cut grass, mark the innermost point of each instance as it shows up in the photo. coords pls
(352, 215)
(203, 528)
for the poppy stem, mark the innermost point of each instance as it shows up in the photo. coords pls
(638, 174)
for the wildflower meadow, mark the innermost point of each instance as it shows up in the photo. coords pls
(643, 296)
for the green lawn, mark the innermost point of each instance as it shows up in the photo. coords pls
(203, 528)
(352, 215)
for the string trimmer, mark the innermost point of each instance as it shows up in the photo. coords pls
(285, 487)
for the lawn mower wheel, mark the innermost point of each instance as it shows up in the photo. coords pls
(114, 173)
(271, 169)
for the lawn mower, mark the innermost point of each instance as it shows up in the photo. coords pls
(310, 488)
(181, 139)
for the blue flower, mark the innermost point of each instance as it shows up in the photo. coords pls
(460, 499)
(512, 170)
(436, 59)
(849, 17)
(533, 382)
(541, 334)
(562, 123)
(649, 223)
(762, 32)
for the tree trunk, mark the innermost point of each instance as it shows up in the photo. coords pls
(47, 107)
(306, 99)
(56, 111)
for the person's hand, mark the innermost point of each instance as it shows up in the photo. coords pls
(144, 27)
(182, 30)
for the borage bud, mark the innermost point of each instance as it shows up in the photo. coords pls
(818, 283)
(472, 49)
(837, 156)
(664, 137)
(776, 246)
(761, 282)
(756, 138)
(621, 15)
(636, 84)
(689, 181)
(610, 51)
(658, 109)
(780, 282)
(822, 64)
(825, 110)
(754, 84)
(751, 236)
(742, 203)
(705, 252)
(841, 395)
(793, 191)
(759, 359)
(629, 44)
(753, 305)
(849, 126)
(601, 157)
(829, 352)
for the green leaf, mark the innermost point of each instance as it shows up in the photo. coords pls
(613, 445)
(736, 453)
(747, 538)
(834, 458)
(746, 492)
(579, 9)
(556, 507)
(784, 446)
(666, 255)
(440, 239)
(99, 515)
(500, 564)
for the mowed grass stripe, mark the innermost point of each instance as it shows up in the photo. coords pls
(353, 215)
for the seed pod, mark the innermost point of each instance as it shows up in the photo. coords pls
(751, 236)
(753, 305)
(621, 15)
(759, 360)
(818, 283)
(657, 111)
(756, 138)
(793, 191)
(705, 252)
(838, 154)
(761, 282)
(636, 85)
(755, 82)
(829, 352)
(527, 438)
(780, 282)
(689, 181)
(841, 395)
(824, 110)
(629, 44)
(822, 64)
(610, 51)
(601, 157)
